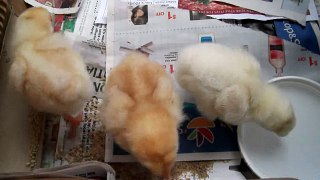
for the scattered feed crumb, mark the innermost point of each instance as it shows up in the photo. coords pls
(98, 146)
(199, 169)
(78, 154)
(36, 120)
(91, 146)
(127, 171)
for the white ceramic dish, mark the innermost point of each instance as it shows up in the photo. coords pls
(296, 155)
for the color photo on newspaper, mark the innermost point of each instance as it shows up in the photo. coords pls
(210, 7)
(197, 134)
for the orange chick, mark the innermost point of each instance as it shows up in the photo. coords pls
(46, 70)
(142, 111)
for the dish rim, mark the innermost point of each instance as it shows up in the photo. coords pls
(245, 156)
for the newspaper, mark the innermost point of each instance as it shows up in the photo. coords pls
(102, 13)
(245, 16)
(308, 36)
(167, 3)
(219, 10)
(57, 6)
(165, 32)
(295, 10)
(312, 13)
(88, 170)
(317, 3)
(81, 171)
(88, 37)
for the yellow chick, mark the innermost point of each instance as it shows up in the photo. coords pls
(46, 70)
(142, 112)
(226, 83)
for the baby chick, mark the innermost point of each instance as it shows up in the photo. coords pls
(226, 83)
(142, 112)
(46, 70)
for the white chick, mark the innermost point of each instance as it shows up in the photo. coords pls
(226, 83)
(46, 70)
(142, 112)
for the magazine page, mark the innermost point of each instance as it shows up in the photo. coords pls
(295, 10)
(221, 10)
(57, 6)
